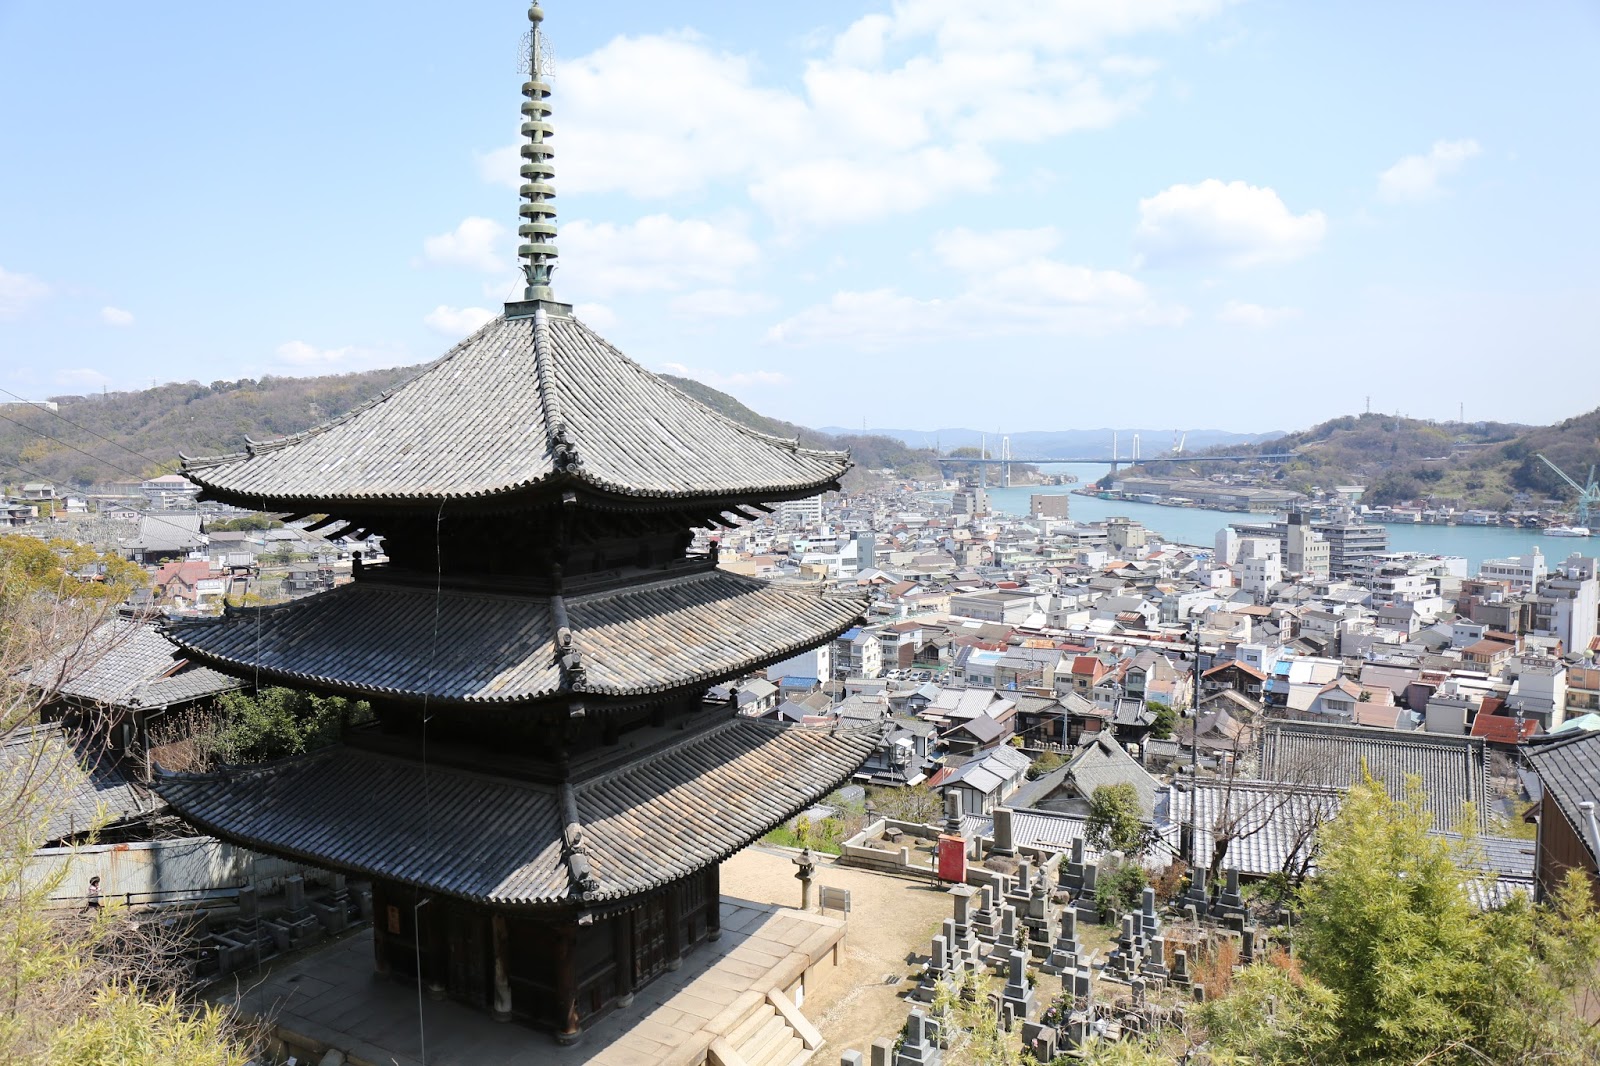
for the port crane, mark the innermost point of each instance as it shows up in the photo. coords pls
(1588, 495)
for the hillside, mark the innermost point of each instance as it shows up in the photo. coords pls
(1482, 464)
(129, 435)
(125, 436)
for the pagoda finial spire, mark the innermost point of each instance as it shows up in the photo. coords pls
(538, 228)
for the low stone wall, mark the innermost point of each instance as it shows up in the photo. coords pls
(156, 872)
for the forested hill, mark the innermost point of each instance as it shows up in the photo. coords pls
(128, 435)
(1479, 464)
(123, 436)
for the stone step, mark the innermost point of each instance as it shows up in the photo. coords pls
(772, 1042)
(802, 1058)
(779, 1051)
(740, 1034)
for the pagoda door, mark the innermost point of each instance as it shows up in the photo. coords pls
(650, 938)
(469, 958)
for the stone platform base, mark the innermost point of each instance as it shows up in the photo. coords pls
(739, 993)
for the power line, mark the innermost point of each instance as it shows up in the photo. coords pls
(74, 447)
(75, 425)
(142, 515)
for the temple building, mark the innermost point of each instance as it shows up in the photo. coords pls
(544, 799)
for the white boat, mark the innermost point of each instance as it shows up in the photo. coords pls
(1566, 531)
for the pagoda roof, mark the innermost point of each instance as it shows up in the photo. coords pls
(507, 842)
(385, 638)
(524, 404)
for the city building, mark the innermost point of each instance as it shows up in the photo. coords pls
(1524, 573)
(1054, 505)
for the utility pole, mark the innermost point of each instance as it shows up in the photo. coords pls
(1186, 845)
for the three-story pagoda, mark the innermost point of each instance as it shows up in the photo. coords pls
(547, 794)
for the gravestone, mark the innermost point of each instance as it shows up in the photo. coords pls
(1040, 932)
(1088, 909)
(1230, 900)
(1180, 969)
(1040, 1040)
(952, 812)
(962, 896)
(1069, 875)
(986, 920)
(1155, 958)
(1149, 920)
(1004, 842)
(1123, 962)
(850, 1058)
(921, 1044)
(936, 970)
(1066, 949)
(1007, 940)
(1019, 993)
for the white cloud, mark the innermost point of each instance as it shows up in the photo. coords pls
(1239, 313)
(457, 321)
(116, 316)
(302, 358)
(474, 244)
(721, 303)
(1012, 288)
(597, 316)
(1232, 224)
(828, 192)
(18, 292)
(893, 114)
(717, 380)
(656, 253)
(971, 252)
(81, 377)
(1416, 177)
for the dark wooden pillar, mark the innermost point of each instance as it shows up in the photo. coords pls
(714, 902)
(622, 948)
(567, 1031)
(500, 946)
(674, 928)
(383, 921)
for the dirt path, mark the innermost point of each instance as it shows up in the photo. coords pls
(891, 920)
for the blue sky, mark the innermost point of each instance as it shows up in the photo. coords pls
(1008, 215)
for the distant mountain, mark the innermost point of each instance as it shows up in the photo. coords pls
(124, 436)
(1074, 443)
(131, 435)
(1480, 464)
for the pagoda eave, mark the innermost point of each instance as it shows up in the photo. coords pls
(375, 639)
(362, 508)
(637, 828)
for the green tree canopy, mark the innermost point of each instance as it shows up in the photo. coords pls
(1116, 821)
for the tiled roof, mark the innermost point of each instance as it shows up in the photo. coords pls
(1045, 830)
(383, 638)
(1275, 824)
(168, 531)
(1272, 822)
(1569, 770)
(128, 663)
(1453, 770)
(1105, 762)
(515, 406)
(505, 841)
(78, 790)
